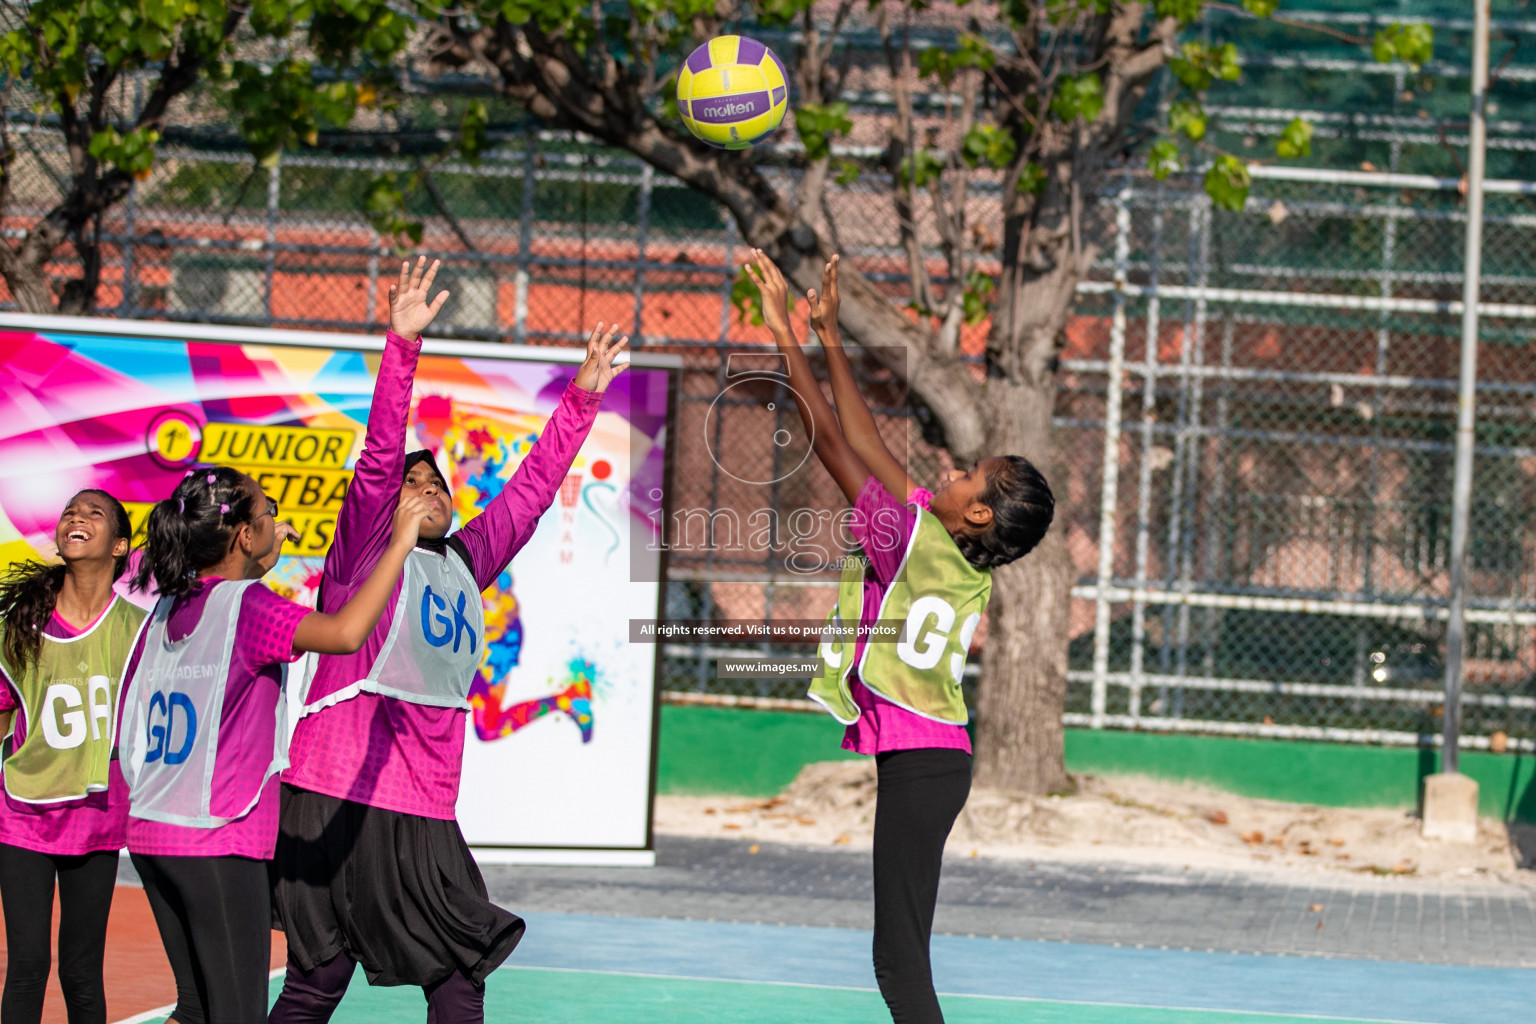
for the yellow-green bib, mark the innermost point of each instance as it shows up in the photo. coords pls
(938, 597)
(68, 696)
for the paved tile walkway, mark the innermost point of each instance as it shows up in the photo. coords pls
(1412, 920)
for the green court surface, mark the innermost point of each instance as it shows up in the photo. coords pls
(589, 969)
(583, 997)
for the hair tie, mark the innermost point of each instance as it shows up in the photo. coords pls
(223, 510)
(181, 506)
(212, 479)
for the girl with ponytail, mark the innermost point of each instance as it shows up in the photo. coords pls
(203, 731)
(926, 561)
(64, 809)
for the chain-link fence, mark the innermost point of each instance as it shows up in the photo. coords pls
(1277, 562)
(1265, 550)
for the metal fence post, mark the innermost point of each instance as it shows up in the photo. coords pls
(274, 206)
(642, 228)
(1144, 476)
(1110, 490)
(701, 667)
(524, 239)
(1466, 395)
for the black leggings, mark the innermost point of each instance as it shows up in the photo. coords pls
(85, 882)
(921, 793)
(215, 919)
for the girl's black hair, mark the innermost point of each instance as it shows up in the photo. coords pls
(191, 530)
(30, 590)
(1022, 506)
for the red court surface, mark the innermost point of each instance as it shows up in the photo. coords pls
(137, 975)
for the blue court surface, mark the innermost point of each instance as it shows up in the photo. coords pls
(577, 968)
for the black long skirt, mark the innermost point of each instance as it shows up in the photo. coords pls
(399, 893)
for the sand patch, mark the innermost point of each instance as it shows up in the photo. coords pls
(1130, 819)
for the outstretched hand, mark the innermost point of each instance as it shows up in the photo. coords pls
(774, 290)
(606, 359)
(409, 311)
(824, 305)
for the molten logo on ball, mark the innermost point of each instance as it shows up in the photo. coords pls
(732, 92)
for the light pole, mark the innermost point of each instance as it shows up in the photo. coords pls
(1450, 798)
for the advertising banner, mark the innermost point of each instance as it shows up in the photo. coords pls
(558, 761)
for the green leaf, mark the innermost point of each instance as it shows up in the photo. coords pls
(976, 299)
(818, 124)
(1227, 183)
(935, 62)
(988, 144)
(975, 52)
(1078, 96)
(1185, 10)
(472, 130)
(748, 299)
(1031, 180)
(1187, 117)
(1295, 141)
(1164, 159)
(133, 153)
(942, 63)
(1412, 43)
(918, 169)
(1199, 65)
(847, 173)
(384, 206)
(1261, 8)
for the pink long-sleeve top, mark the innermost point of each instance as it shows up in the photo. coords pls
(378, 750)
(99, 821)
(263, 645)
(883, 528)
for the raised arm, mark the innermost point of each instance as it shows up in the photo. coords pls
(363, 524)
(827, 440)
(499, 532)
(852, 411)
(346, 630)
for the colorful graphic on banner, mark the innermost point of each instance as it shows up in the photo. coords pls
(130, 414)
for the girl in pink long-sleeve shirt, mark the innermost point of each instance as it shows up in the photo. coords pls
(64, 636)
(371, 867)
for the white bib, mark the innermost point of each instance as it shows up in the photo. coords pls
(435, 642)
(175, 700)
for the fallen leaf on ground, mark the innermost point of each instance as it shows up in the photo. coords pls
(1217, 817)
(1252, 838)
(1316, 908)
(731, 825)
(843, 840)
(1335, 842)
(753, 848)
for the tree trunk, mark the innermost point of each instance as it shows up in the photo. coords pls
(28, 283)
(1019, 739)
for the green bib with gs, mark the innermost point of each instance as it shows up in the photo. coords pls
(68, 696)
(938, 597)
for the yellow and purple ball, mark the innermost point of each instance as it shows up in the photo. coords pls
(732, 92)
